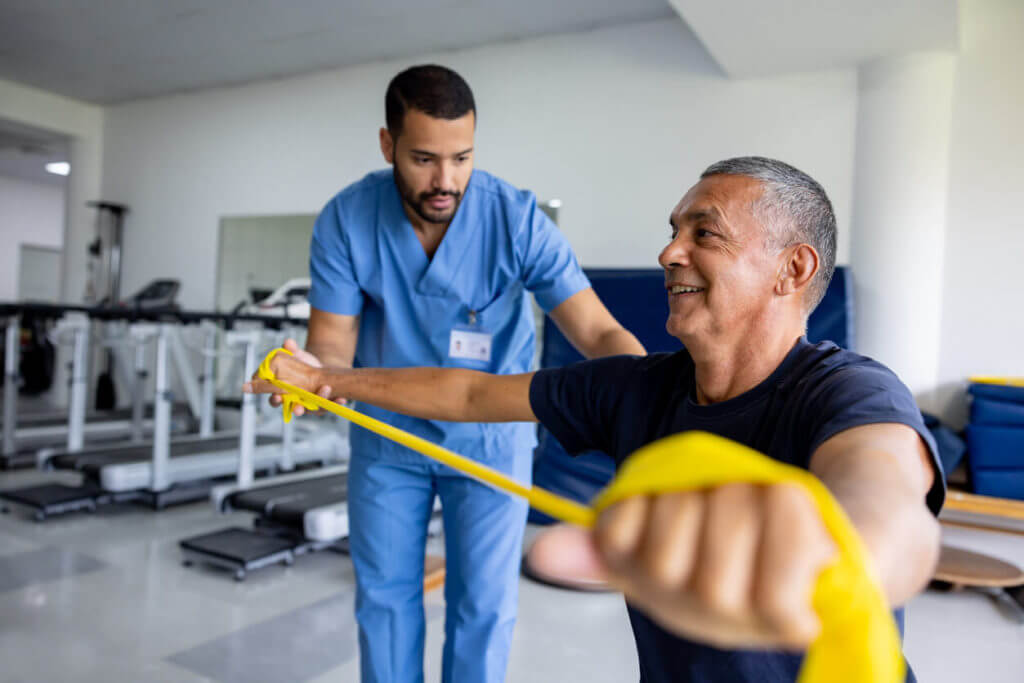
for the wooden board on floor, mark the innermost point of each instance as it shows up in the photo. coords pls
(983, 512)
(961, 567)
(433, 573)
(962, 501)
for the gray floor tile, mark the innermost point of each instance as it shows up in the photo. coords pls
(290, 647)
(295, 646)
(40, 566)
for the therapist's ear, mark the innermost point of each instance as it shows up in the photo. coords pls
(387, 145)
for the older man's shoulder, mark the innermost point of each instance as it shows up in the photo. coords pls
(663, 366)
(825, 364)
(659, 360)
(632, 370)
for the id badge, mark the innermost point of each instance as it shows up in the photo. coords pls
(470, 342)
(470, 345)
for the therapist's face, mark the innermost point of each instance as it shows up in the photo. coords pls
(432, 160)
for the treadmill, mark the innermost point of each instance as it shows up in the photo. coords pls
(167, 472)
(143, 333)
(23, 434)
(295, 514)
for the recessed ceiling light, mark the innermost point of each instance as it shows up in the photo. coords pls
(59, 168)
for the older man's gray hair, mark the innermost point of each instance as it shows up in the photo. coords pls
(794, 208)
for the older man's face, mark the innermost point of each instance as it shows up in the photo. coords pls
(719, 271)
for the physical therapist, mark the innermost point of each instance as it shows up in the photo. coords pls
(429, 264)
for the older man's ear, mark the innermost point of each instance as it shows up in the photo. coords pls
(798, 270)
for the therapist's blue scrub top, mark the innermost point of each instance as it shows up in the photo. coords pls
(366, 260)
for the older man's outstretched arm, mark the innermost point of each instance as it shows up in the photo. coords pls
(449, 394)
(880, 474)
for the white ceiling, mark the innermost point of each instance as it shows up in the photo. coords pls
(25, 151)
(112, 51)
(750, 38)
(116, 50)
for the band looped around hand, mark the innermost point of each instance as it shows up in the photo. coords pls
(289, 400)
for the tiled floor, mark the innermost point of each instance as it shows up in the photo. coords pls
(104, 597)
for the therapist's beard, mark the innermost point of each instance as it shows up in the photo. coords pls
(418, 202)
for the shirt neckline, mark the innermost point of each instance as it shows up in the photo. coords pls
(750, 396)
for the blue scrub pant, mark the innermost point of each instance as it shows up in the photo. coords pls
(389, 507)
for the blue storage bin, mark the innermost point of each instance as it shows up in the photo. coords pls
(997, 392)
(999, 483)
(995, 447)
(986, 411)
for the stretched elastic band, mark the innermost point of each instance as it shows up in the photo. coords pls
(858, 643)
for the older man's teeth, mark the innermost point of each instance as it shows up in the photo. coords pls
(685, 290)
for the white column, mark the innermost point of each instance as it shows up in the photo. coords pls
(901, 177)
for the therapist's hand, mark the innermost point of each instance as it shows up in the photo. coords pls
(301, 369)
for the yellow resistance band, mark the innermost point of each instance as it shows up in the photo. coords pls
(858, 642)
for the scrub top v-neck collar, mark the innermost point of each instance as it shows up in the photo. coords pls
(433, 277)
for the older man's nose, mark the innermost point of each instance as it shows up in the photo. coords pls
(675, 254)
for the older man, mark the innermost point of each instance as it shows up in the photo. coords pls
(718, 581)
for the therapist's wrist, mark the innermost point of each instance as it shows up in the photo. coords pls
(336, 379)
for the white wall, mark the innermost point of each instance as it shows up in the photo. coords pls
(617, 123)
(83, 123)
(30, 213)
(983, 295)
(899, 213)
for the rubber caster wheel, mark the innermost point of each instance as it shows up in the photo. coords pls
(187, 563)
(240, 575)
(39, 517)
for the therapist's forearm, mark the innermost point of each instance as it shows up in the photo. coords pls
(614, 342)
(449, 394)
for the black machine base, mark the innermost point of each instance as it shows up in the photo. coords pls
(177, 494)
(240, 550)
(244, 550)
(56, 499)
(19, 460)
(47, 500)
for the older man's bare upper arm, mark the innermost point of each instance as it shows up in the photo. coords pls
(900, 446)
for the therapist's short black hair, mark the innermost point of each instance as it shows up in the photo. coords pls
(434, 90)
